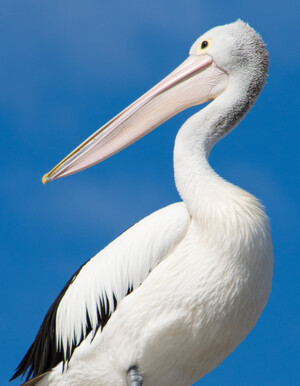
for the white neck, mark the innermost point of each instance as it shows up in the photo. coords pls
(200, 187)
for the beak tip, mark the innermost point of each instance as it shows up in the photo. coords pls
(45, 179)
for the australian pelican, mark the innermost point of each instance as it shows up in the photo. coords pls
(174, 295)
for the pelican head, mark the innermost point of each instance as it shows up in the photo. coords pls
(227, 57)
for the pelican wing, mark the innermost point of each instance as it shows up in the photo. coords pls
(90, 297)
(34, 381)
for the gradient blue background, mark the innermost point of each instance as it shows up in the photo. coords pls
(66, 67)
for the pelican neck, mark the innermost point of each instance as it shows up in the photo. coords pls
(198, 184)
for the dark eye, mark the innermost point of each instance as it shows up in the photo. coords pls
(204, 44)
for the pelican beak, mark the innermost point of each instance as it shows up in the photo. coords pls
(192, 83)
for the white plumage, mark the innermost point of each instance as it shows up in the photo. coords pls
(177, 292)
(123, 264)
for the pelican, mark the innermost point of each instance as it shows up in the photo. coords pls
(173, 296)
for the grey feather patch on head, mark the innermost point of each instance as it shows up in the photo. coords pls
(254, 51)
(246, 62)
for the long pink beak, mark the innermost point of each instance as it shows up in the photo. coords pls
(188, 85)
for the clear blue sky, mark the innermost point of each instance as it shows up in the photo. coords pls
(66, 67)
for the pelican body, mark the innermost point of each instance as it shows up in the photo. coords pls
(173, 296)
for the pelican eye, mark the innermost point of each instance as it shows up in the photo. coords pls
(203, 46)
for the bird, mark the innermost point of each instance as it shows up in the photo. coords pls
(168, 300)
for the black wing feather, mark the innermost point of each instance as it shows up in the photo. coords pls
(44, 355)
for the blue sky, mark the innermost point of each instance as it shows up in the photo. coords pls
(66, 67)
